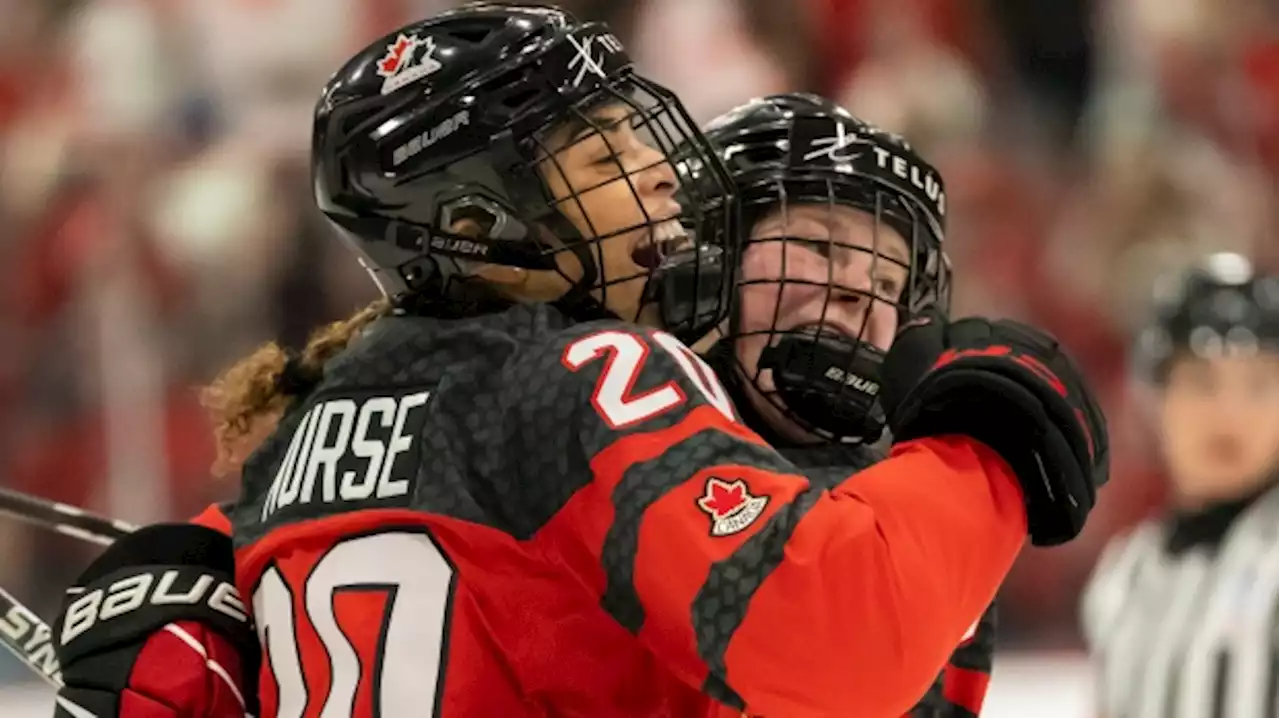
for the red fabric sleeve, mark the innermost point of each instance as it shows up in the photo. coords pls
(774, 597)
(213, 518)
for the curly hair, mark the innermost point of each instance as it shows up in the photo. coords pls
(245, 401)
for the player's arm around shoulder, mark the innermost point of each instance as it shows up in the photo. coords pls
(775, 597)
(962, 687)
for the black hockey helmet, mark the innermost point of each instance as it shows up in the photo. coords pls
(449, 118)
(784, 151)
(1221, 306)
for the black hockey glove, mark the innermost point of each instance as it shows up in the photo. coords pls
(1011, 387)
(158, 629)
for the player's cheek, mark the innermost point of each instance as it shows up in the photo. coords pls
(883, 325)
(757, 306)
(676, 549)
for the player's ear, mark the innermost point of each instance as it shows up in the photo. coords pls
(508, 279)
(528, 285)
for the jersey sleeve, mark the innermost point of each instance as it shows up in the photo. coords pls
(961, 688)
(214, 517)
(772, 596)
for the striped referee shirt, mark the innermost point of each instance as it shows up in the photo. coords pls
(1180, 616)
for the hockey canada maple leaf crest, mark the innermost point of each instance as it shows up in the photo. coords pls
(408, 59)
(731, 507)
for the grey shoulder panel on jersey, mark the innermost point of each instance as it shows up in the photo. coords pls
(408, 416)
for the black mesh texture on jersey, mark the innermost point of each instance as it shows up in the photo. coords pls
(642, 485)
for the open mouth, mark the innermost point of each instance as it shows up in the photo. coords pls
(661, 241)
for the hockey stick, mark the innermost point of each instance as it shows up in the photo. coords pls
(62, 518)
(21, 630)
(28, 638)
(26, 635)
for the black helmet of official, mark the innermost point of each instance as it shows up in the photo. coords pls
(795, 149)
(1222, 306)
(446, 119)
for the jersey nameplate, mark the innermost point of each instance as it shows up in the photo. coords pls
(351, 450)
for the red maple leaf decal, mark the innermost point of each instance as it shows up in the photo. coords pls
(395, 57)
(723, 498)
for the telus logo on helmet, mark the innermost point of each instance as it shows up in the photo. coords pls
(922, 179)
(408, 59)
(834, 147)
(846, 149)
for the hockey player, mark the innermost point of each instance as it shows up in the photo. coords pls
(1180, 614)
(845, 226)
(504, 500)
(830, 203)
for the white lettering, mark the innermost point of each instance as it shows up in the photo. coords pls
(38, 649)
(418, 143)
(125, 595)
(162, 595)
(133, 592)
(45, 660)
(226, 600)
(914, 175)
(38, 636)
(15, 623)
(286, 468)
(384, 407)
(465, 247)
(325, 454)
(293, 483)
(859, 383)
(387, 485)
(337, 433)
(80, 616)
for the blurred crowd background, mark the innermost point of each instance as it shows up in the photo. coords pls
(156, 224)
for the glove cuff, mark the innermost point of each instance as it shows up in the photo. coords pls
(157, 576)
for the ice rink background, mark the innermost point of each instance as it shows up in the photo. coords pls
(1025, 686)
